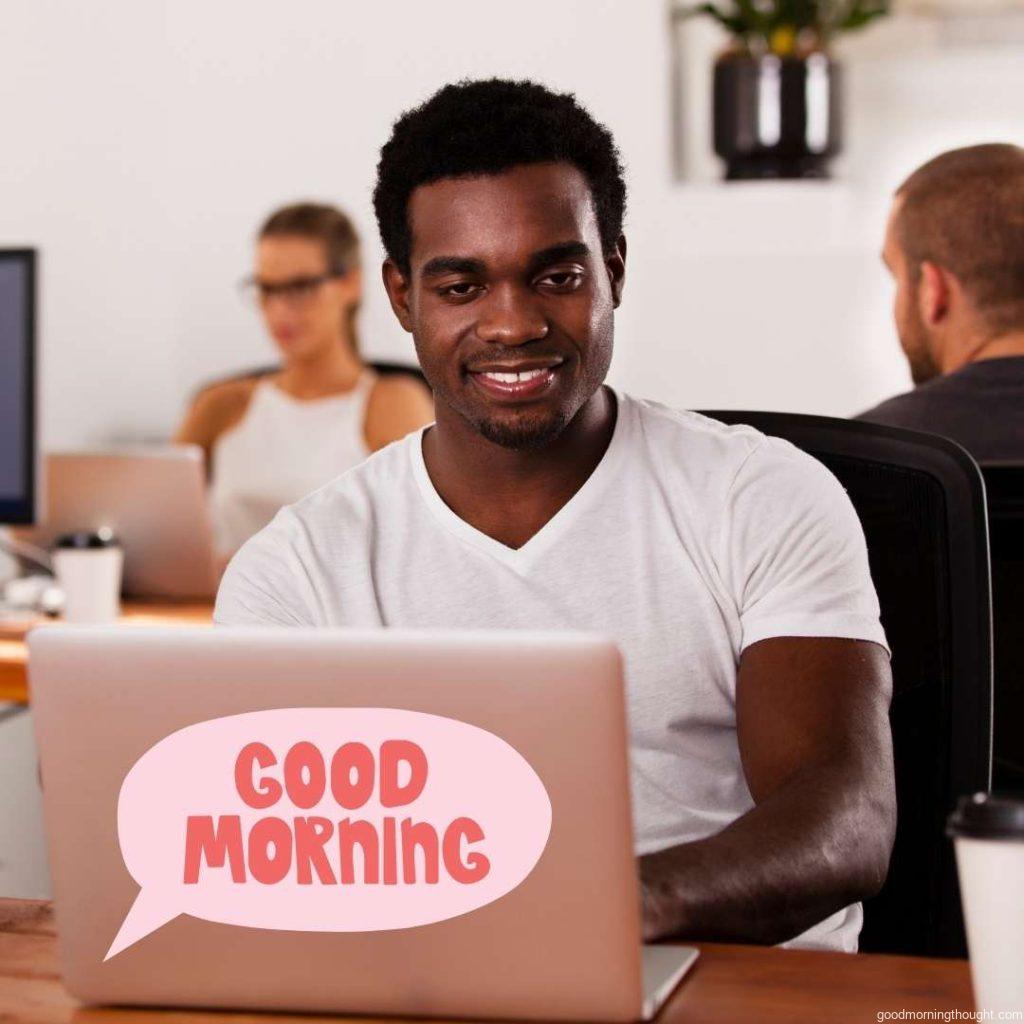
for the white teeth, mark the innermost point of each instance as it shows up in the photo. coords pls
(515, 378)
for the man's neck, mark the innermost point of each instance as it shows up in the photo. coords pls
(1005, 345)
(1001, 346)
(511, 494)
(336, 368)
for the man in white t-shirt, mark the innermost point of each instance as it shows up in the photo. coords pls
(729, 567)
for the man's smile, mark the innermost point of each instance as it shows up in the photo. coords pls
(524, 379)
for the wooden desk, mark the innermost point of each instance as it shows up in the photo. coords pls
(14, 653)
(728, 985)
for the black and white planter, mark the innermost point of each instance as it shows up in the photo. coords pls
(777, 117)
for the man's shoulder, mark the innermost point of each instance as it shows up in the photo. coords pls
(714, 460)
(903, 410)
(693, 442)
(668, 425)
(918, 408)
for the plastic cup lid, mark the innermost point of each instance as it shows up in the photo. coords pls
(85, 539)
(987, 816)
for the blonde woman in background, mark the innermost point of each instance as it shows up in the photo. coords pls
(271, 439)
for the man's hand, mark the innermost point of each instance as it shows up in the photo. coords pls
(813, 730)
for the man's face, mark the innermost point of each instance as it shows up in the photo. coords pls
(912, 331)
(509, 299)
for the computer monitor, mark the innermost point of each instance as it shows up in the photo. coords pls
(18, 470)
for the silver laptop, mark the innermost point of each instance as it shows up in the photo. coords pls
(153, 498)
(371, 822)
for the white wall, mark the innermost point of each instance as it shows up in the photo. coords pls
(143, 142)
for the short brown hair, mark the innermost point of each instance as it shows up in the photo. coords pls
(326, 224)
(964, 211)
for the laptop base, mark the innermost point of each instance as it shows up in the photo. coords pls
(663, 967)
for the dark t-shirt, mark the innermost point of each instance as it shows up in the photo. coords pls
(980, 406)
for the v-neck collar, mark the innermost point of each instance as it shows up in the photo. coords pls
(521, 558)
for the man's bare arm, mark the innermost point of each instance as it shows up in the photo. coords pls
(814, 737)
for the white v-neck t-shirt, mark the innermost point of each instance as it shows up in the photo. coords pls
(690, 541)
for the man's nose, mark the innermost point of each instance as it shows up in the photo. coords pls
(510, 316)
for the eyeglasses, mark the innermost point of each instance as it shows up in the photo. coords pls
(298, 291)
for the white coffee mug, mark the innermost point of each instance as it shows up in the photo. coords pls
(88, 569)
(988, 833)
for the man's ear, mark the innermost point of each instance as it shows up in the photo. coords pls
(934, 290)
(615, 263)
(397, 286)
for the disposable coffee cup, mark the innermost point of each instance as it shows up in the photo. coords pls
(88, 569)
(988, 834)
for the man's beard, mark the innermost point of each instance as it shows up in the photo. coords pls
(922, 365)
(524, 435)
(914, 339)
(923, 368)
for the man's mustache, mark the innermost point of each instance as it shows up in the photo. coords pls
(513, 355)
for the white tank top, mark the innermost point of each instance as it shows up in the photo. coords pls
(282, 449)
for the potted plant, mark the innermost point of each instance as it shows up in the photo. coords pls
(777, 87)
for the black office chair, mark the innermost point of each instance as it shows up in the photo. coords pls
(1004, 484)
(921, 502)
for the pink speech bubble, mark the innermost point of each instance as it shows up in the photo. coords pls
(306, 859)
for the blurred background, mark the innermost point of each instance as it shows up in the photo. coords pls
(144, 143)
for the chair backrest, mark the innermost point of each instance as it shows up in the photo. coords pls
(921, 502)
(386, 369)
(1004, 486)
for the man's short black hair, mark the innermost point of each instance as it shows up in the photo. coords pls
(486, 127)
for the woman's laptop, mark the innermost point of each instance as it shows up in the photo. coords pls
(379, 822)
(154, 500)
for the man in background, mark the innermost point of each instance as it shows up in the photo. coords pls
(955, 248)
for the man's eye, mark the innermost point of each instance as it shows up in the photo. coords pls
(460, 290)
(563, 280)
